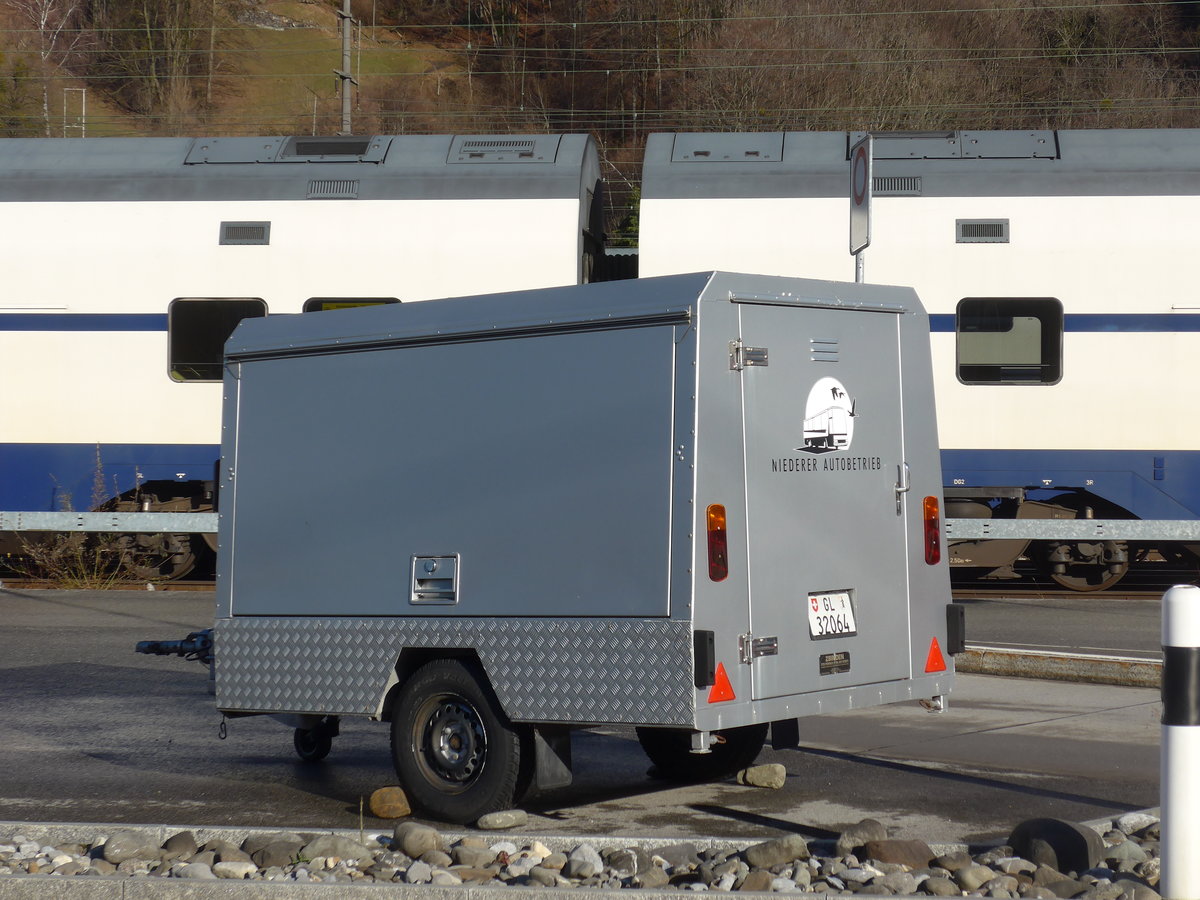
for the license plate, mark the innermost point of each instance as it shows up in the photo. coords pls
(830, 615)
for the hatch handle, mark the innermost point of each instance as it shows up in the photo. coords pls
(903, 486)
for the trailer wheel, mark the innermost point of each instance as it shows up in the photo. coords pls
(670, 750)
(312, 744)
(455, 753)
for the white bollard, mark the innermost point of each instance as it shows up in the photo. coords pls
(1179, 786)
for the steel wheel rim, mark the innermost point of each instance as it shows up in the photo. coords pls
(451, 742)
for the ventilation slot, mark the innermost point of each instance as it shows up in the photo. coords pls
(245, 233)
(333, 189)
(330, 146)
(982, 231)
(480, 149)
(823, 350)
(897, 185)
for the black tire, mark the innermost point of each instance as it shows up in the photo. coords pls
(670, 750)
(456, 754)
(312, 744)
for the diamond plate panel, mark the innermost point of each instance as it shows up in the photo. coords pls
(564, 670)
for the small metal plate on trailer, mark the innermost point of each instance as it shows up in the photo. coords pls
(834, 663)
(830, 615)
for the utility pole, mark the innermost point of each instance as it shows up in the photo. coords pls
(345, 79)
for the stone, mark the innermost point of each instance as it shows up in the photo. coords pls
(278, 853)
(652, 877)
(952, 862)
(583, 862)
(758, 880)
(413, 838)
(974, 876)
(445, 879)
(940, 886)
(555, 861)
(771, 775)
(255, 842)
(1135, 890)
(857, 835)
(180, 846)
(437, 858)
(129, 845)
(475, 874)
(196, 870)
(914, 854)
(419, 873)
(507, 818)
(1133, 822)
(474, 857)
(677, 855)
(902, 883)
(786, 849)
(389, 803)
(623, 862)
(1067, 887)
(333, 845)
(1125, 851)
(1057, 843)
(234, 869)
(543, 876)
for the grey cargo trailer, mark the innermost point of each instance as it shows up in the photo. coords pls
(606, 503)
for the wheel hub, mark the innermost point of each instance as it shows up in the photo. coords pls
(454, 741)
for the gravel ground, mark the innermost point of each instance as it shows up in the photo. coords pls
(1045, 858)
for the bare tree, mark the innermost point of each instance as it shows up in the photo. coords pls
(56, 26)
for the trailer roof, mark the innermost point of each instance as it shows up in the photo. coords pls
(575, 307)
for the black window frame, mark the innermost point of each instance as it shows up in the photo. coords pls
(313, 304)
(206, 346)
(972, 312)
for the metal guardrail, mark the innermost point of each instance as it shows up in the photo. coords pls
(137, 522)
(956, 529)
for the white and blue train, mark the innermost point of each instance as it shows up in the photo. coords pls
(1060, 272)
(127, 263)
(1058, 267)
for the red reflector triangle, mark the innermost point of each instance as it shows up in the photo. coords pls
(935, 662)
(721, 690)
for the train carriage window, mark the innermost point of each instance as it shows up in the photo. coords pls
(320, 304)
(1015, 340)
(197, 329)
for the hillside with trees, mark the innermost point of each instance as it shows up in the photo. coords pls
(616, 68)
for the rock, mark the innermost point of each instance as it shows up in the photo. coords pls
(952, 862)
(446, 879)
(256, 842)
(439, 859)
(653, 877)
(1125, 851)
(333, 845)
(1132, 823)
(555, 861)
(1135, 890)
(583, 862)
(475, 874)
(902, 883)
(758, 880)
(129, 845)
(677, 855)
(1057, 843)
(508, 818)
(623, 862)
(543, 876)
(474, 857)
(103, 867)
(389, 803)
(1067, 887)
(771, 775)
(196, 870)
(1005, 883)
(234, 869)
(972, 877)
(775, 852)
(413, 839)
(939, 886)
(180, 846)
(857, 835)
(914, 854)
(419, 873)
(278, 853)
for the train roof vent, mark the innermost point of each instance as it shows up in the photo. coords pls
(959, 144)
(981, 231)
(750, 147)
(245, 233)
(233, 150)
(338, 148)
(539, 148)
(333, 189)
(896, 185)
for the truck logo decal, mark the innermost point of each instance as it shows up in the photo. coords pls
(828, 418)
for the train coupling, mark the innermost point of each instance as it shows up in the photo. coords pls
(198, 646)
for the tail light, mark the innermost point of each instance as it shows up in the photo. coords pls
(718, 544)
(933, 531)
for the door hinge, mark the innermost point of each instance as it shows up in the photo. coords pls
(750, 647)
(741, 356)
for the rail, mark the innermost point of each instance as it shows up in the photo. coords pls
(955, 529)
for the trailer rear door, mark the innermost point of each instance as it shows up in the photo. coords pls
(822, 423)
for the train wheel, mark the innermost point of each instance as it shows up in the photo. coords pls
(157, 557)
(670, 751)
(1088, 566)
(456, 754)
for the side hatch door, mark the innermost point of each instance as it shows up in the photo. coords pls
(825, 472)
